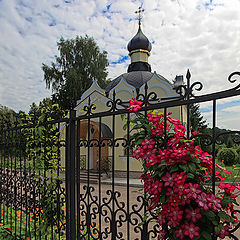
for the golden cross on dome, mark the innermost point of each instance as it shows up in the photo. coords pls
(139, 12)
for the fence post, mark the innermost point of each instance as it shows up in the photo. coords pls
(70, 178)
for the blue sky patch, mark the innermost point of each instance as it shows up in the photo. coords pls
(52, 23)
(120, 60)
(210, 5)
(21, 3)
(221, 107)
(29, 19)
(107, 9)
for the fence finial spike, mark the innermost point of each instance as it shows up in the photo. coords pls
(188, 75)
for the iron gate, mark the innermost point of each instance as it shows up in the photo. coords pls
(77, 192)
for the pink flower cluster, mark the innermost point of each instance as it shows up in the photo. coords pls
(185, 201)
(174, 179)
(135, 105)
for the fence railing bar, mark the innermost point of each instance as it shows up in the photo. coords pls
(213, 147)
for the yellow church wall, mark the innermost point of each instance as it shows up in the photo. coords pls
(156, 84)
(120, 158)
(160, 91)
(93, 87)
(123, 94)
(99, 101)
(123, 90)
(156, 81)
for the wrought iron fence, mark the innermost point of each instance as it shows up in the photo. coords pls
(39, 201)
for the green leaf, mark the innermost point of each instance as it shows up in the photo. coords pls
(192, 166)
(217, 229)
(184, 167)
(174, 168)
(190, 176)
(206, 235)
(139, 141)
(41, 118)
(224, 216)
(211, 216)
(137, 127)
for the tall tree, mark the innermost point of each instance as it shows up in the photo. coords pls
(197, 122)
(80, 62)
(7, 117)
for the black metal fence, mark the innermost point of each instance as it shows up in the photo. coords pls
(44, 193)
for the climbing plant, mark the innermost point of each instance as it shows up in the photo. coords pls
(175, 170)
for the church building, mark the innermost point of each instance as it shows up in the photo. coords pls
(125, 87)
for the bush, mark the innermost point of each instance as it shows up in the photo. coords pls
(229, 143)
(218, 148)
(238, 152)
(228, 155)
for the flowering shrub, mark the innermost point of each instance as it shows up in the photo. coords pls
(175, 170)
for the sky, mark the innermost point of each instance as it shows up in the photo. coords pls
(200, 35)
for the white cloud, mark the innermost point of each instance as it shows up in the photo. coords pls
(195, 34)
(234, 109)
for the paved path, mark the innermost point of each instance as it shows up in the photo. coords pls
(124, 200)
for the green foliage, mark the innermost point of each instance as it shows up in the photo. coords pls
(228, 156)
(9, 139)
(229, 143)
(7, 117)
(51, 205)
(197, 122)
(218, 147)
(42, 149)
(80, 62)
(199, 125)
(42, 140)
(209, 131)
(238, 152)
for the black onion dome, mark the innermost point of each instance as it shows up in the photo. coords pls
(139, 41)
